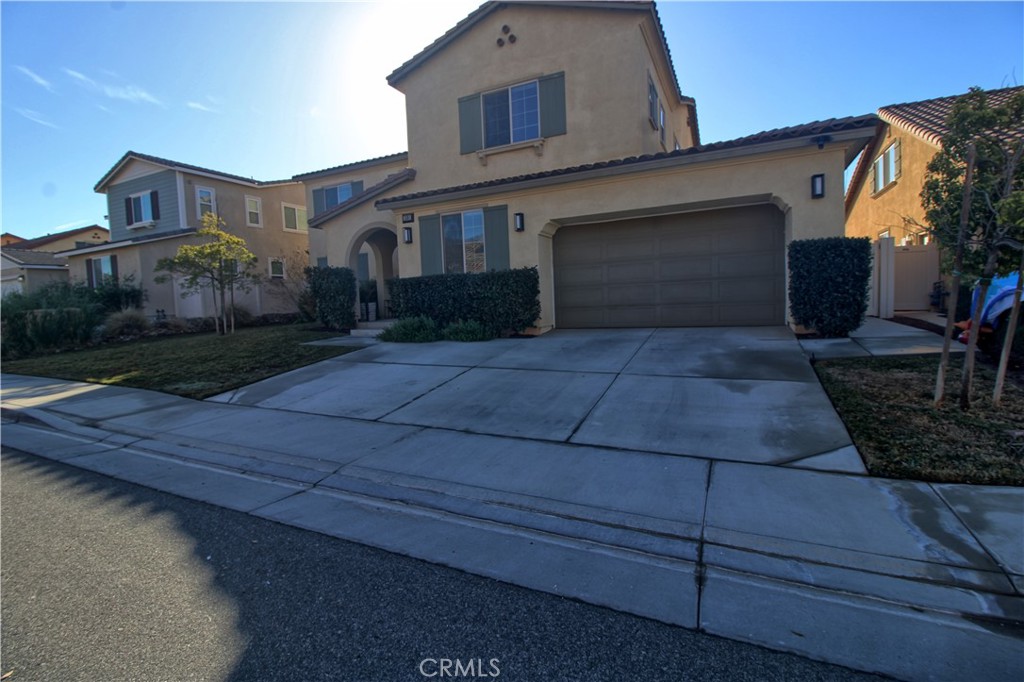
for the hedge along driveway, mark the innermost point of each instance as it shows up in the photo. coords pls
(505, 300)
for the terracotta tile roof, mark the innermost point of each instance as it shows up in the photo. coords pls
(177, 165)
(37, 242)
(34, 258)
(816, 129)
(927, 119)
(393, 180)
(400, 156)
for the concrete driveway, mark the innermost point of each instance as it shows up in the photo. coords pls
(741, 394)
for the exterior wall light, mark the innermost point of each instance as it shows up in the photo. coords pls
(818, 186)
(519, 220)
(407, 235)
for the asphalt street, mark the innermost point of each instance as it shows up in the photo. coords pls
(105, 580)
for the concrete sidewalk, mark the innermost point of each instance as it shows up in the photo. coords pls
(914, 580)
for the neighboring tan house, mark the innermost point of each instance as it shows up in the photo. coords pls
(26, 271)
(28, 264)
(531, 143)
(77, 238)
(883, 200)
(886, 185)
(155, 205)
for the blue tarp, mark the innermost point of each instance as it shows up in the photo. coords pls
(998, 300)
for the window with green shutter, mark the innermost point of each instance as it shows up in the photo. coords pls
(518, 113)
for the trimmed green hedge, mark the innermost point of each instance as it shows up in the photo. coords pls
(828, 283)
(334, 291)
(502, 301)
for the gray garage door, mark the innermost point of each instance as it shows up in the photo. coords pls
(712, 268)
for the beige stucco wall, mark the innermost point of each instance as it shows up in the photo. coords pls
(872, 214)
(606, 60)
(782, 178)
(269, 241)
(96, 236)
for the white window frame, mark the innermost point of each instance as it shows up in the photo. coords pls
(199, 202)
(884, 169)
(483, 116)
(270, 268)
(284, 222)
(259, 211)
(145, 199)
(462, 229)
(661, 122)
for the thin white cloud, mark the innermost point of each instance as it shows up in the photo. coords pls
(128, 93)
(199, 106)
(35, 78)
(70, 226)
(35, 117)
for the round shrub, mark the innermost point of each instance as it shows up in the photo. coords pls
(420, 329)
(469, 330)
(123, 324)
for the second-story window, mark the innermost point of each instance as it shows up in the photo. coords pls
(652, 102)
(511, 115)
(141, 210)
(326, 198)
(206, 201)
(294, 218)
(661, 123)
(886, 168)
(253, 211)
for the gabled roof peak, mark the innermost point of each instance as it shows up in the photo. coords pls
(177, 165)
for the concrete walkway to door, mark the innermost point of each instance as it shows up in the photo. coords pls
(666, 391)
(655, 472)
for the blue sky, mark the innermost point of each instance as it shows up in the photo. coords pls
(270, 90)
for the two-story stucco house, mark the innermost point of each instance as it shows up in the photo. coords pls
(26, 265)
(155, 205)
(532, 143)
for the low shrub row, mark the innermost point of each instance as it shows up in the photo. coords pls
(499, 302)
(423, 329)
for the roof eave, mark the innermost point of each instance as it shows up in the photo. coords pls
(630, 168)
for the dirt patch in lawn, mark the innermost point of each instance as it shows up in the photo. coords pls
(886, 404)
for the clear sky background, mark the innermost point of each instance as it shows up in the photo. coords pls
(271, 90)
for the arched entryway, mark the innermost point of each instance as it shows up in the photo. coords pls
(379, 242)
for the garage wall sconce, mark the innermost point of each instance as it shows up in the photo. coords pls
(519, 220)
(407, 235)
(818, 186)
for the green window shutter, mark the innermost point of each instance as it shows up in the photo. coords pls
(90, 278)
(154, 204)
(496, 237)
(430, 245)
(470, 125)
(357, 188)
(552, 104)
(897, 151)
(113, 267)
(319, 202)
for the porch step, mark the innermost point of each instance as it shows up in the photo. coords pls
(371, 329)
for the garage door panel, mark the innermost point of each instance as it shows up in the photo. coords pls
(723, 267)
(637, 294)
(579, 275)
(748, 265)
(688, 292)
(626, 273)
(685, 268)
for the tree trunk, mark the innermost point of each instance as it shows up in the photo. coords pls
(1011, 327)
(232, 307)
(958, 261)
(967, 379)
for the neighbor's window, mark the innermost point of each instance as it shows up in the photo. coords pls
(206, 201)
(511, 115)
(462, 236)
(294, 218)
(886, 167)
(253, 211)
(276, 268)
(141, 209)
(652, 102)
(99, 270)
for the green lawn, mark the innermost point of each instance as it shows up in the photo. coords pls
(886, 404)
(190, 365)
